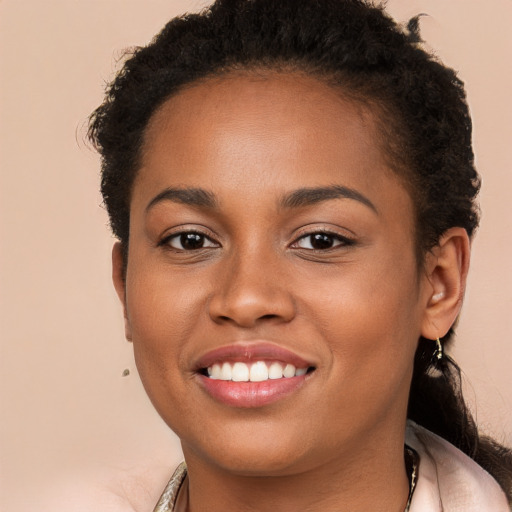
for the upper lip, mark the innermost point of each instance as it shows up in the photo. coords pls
(251, 352)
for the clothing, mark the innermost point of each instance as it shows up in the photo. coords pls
(447, 480)
(167, 501)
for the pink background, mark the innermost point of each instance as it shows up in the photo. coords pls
(69, 417)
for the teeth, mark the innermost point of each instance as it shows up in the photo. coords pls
(289, 371)
(257, 372)
(275, 371)
(225, 372)
(214, 371)
(240, 372)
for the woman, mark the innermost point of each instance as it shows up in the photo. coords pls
(293, 190)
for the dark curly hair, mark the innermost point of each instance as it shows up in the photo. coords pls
(355, 46)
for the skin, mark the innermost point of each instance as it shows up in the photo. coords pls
(355, 310)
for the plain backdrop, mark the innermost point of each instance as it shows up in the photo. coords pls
(67, 410)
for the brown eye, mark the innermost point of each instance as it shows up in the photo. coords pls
(322, 241)
(189, 241)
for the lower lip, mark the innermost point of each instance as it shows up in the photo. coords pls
(251, 394)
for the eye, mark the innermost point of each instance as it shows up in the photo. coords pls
(188, 241)
(321, 241)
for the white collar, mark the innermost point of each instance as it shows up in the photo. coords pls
(449, 480)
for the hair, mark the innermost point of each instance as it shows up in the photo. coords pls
(422, 115)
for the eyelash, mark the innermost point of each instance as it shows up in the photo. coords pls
(334, 237)
(343, 240)
(167, 240)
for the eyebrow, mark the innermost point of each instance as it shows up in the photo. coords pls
(309, 196)
(302, 197)
(189, 196)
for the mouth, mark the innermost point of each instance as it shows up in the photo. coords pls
(252, 375)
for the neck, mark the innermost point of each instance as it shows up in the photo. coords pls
(372, 477)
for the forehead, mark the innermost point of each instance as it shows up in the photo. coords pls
(255, 129)
(253, 92)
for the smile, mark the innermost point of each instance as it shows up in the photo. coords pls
(252, 374)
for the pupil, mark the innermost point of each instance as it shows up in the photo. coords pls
(191, 241)
(321, 241)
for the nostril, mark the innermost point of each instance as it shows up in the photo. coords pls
(268, 317)
(246, 320)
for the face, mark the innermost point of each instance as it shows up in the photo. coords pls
(272, 292)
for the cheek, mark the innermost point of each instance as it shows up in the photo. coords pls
(163, 309)
(369, 312)
(162, 312)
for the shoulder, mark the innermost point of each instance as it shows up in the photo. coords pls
(449, 480)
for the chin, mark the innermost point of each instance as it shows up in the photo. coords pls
(255, 465)
(258, 452)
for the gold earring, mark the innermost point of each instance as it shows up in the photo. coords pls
(438, 352)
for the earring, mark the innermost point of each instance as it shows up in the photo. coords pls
(438, 352)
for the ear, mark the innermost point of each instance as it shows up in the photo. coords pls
(446, 270)
(118, 277)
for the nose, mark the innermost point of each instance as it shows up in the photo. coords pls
(250, 291)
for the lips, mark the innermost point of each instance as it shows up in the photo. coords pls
(252, 374)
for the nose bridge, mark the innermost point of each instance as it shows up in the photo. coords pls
(252, 287)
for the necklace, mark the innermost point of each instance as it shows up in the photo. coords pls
(170, 496)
